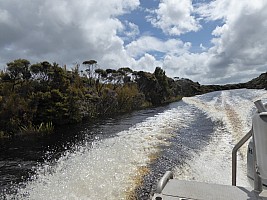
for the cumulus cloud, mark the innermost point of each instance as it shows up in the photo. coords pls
(188, 65)
(130, 30)
(146, 63)
(239, 50)
(239, 44)
(73, 31)
(174, 17)
(61, 31)
(148, 43)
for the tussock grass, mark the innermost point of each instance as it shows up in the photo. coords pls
(43, 128)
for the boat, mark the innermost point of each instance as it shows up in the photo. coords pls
(169, 188)
(251, 163)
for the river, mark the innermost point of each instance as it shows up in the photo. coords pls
(123, 157)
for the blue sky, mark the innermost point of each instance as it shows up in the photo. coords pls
(209, 41)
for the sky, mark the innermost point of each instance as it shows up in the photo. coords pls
(208, 41)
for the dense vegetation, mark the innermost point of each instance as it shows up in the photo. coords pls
(36, 97)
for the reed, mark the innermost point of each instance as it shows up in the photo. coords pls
(43, 128)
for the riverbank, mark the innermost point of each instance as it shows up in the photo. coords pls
(36, 98)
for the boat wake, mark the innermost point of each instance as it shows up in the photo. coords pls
(108, 169)
(114, 167)
(231, 112)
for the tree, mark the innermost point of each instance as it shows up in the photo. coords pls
(163, 82)
(91, 65)
(44, 93)
(18, 71)
(126, 73)
(155, 86)
(41, 71)
(59, 78)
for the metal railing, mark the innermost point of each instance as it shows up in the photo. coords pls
(257, 178)
(234, 155)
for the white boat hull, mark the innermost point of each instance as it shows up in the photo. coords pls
(250, 163)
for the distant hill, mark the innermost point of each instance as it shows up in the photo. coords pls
(258, 83)
(190, 88)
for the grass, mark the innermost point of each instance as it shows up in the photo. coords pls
(43, 128)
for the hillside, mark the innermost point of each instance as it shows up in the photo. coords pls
(190, 88)
(258, 83)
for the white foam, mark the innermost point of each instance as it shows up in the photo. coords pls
(105, 169)
(213, 163)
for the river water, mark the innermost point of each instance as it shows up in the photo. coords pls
(123, 157)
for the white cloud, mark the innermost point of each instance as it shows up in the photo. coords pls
(174, 17)
(188, 65)
(148, 43)
(228, 9)
(202, 47)
(131, 30)
(146, 63)
(239, 50)
(240, 42)
(62, 31)
(73, 31)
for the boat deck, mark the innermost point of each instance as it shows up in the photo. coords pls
(188, 190)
